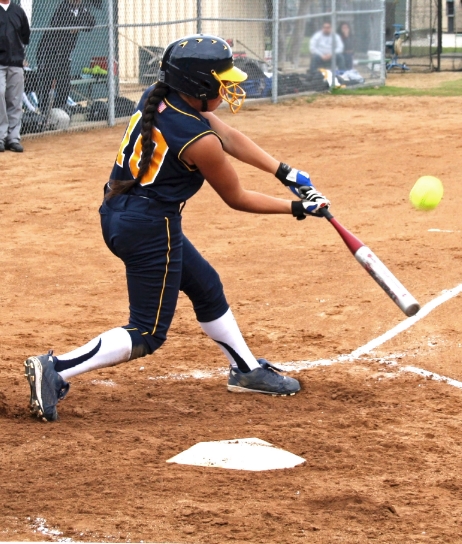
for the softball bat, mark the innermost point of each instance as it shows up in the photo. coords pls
(374, 266)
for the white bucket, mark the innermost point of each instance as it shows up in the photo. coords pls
(374, 55)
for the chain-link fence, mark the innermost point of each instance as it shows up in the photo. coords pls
(90, 60)
(430, 32)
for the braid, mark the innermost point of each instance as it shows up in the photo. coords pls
(157, 94)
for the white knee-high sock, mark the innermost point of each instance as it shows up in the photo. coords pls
(225, 332)
(108, 349)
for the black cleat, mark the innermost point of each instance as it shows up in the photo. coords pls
(47, 387)
(262, 380)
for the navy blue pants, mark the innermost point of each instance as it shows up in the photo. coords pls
(160, 261)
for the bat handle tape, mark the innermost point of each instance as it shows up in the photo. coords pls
(325, 213)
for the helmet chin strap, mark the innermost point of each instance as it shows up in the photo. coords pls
(204, 102)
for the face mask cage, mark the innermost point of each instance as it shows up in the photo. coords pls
(231, 92)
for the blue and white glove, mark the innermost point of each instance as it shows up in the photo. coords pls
(311, 204)
(293, 178)
(300, 184)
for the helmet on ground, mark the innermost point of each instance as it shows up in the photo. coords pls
(202, 66)
(58, 119)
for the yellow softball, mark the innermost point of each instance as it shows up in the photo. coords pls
(426, 193)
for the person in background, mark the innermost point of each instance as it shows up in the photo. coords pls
(321, 49)
(344, 31)
(14, 36)
(54, 53)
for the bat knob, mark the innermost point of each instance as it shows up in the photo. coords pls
(325, 213)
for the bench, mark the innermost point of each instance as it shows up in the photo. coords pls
(372, 63)
(83, 87)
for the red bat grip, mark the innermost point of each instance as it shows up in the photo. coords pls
(352, 242)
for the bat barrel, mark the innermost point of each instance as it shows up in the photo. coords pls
(374, 266)
(412, 309)
(387, 281)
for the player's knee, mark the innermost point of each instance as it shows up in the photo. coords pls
(142, 344)
(211, 306)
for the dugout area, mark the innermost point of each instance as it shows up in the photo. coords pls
(382, 444)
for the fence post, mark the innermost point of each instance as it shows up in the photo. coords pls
(440, 34)
(275, 52)
(333, 22)
(382, 43)
(110, 62)
(199, 16)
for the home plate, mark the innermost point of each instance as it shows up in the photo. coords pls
(239, 454)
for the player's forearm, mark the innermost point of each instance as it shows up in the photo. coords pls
(245, 150)
(252, 202)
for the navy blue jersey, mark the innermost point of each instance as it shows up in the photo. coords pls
(169, 178)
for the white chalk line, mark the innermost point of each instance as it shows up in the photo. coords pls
(354, 355)
(39, 525)
(432, 376)
(442, 230)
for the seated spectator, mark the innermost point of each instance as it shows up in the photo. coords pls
(321, 49)
(344, 31)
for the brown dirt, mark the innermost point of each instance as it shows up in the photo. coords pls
(419, 80)
(383, 448)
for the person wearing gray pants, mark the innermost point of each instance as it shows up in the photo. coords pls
(14, 36)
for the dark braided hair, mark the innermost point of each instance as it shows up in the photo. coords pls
(157, 94)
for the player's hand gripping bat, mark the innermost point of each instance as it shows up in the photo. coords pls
(368, 260)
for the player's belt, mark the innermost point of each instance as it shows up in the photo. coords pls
(143, 205)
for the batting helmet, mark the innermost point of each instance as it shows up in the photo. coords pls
(58, 119)
(202, 66)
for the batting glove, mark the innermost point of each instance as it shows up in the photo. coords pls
(293, 178)
(312, 201)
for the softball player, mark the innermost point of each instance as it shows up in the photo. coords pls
(172, 143)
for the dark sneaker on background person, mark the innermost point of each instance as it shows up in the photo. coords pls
(47, 387)
(262, 380)
(2, 146)
(14, 146)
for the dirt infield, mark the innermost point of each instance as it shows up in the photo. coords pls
(382, 446)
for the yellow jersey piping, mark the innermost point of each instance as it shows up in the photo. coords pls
(191, 169)
(181, 111)
(188, 166)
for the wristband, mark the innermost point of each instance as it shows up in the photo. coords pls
(298, 210)
(282, 172)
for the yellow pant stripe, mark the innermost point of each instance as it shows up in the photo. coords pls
(167, 221)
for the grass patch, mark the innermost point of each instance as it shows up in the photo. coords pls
(448, 88)
(452, 50)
